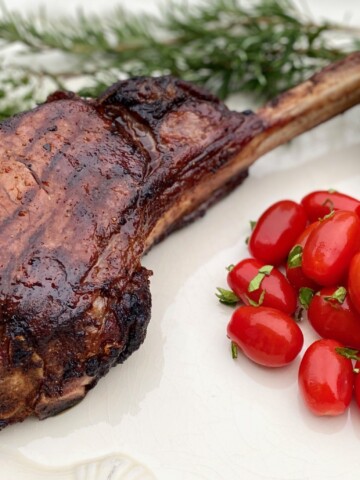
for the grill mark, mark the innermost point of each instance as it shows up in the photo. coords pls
(32, 192)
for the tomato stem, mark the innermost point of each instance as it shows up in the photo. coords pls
(328, 203)
(329, 215)
(305, 296)
(349, 353)
(299, 314)
(227, 297)
(260, 302)
(259, 277)
(339, 295)
(252, 224)
(295, 257)
(234, 350)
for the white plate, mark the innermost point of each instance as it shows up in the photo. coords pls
(180, 408)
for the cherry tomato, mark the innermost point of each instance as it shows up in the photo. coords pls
(357, 382)
(267, 336)
(278, 293)
(276, 231)
(320, 203)
(354, 281)
(294, 271)
(326, 378)
(332, 315)
(330, 247)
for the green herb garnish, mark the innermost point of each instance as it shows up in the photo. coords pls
(261, 47)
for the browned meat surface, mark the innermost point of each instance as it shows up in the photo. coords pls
(86, 187)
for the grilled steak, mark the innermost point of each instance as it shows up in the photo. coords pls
(88, 186)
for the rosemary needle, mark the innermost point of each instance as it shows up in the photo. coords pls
(263, 48)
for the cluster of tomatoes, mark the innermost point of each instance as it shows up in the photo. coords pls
(304, 256)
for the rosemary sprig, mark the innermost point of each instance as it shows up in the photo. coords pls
(264, 48)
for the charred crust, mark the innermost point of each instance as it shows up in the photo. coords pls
(92, 366)
(134, 310)
(20, 353)
(150, 91)
(55, 409)
(3, 424)
(61, 95)
(152, 98)
(72, 369)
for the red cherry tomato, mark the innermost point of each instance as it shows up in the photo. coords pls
(320, 203)
(330, 247)
(276, 231)
(295, 274)
(326, 378)
(267, 336)
(357, 382)
(354, 281)
(335, 318)
(278, 293)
